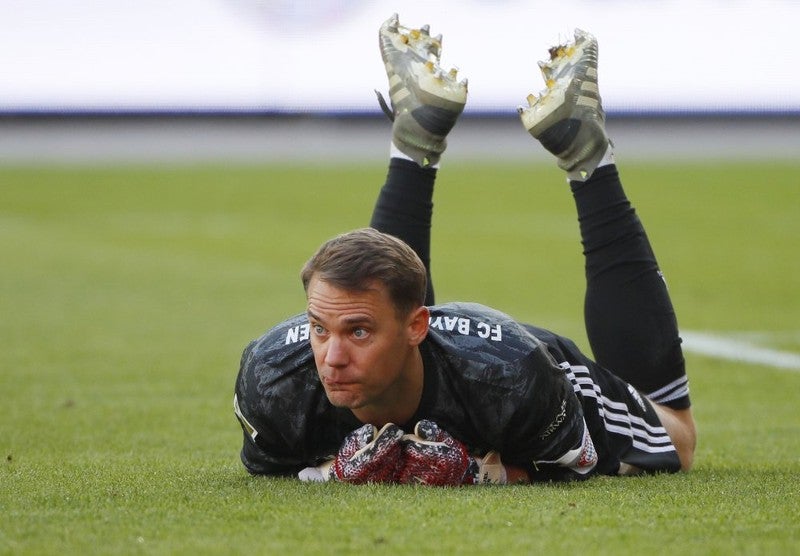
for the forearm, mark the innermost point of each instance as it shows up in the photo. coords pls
(516, 475)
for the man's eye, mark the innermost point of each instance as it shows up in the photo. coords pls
(360, 333)
(318, 329)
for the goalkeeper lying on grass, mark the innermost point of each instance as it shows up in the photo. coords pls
(375, 383)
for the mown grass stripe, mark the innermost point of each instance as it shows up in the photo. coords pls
(735, 349)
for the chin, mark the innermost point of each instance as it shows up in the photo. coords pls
(343, 400)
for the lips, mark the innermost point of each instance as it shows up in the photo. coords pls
(336, 384)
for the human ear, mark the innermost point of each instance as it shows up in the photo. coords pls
(417, 323)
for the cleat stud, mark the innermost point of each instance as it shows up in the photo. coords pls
(557, 51)
(425, 30)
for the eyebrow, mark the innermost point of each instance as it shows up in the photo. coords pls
(351, 321)
(358, 320)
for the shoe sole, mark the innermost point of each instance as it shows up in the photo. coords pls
(571, 86)
(567, 117)
(411, 58)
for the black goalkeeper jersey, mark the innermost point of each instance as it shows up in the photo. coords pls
(491, 382)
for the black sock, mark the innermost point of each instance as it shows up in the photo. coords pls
(630, 321)
(404, 209)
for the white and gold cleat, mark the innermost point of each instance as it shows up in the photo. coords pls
(425, 100)
(567, 117)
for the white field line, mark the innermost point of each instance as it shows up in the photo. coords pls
(738, 349)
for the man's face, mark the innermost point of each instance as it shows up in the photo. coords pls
(366, 357)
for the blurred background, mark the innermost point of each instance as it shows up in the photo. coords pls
(261, 80)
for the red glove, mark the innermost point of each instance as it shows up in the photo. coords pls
(367, 455)
(432, 457)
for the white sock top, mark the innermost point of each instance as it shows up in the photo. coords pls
(394, 152)
(608, 158)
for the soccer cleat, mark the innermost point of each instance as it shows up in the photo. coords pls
(567, 117)
(425, 101)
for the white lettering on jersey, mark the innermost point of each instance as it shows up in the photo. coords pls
(492, 332)
(298, 334)
(464, 326)
(451, 324)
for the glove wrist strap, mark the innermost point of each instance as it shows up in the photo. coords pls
(490, 470)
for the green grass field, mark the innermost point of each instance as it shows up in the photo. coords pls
(127, 294)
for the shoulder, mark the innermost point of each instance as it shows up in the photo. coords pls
(477, 332)
(278, 363)
(484, 352)
(483, 348)
(285, 341)
(280, 401)
(484, 367)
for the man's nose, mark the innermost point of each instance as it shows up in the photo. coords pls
(336, 354)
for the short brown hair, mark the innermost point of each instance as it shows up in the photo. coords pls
(355, 260)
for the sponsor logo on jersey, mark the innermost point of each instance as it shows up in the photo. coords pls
(562, 414)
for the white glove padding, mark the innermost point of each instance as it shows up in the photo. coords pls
(318, 474)
(491, 470)
(367, 455)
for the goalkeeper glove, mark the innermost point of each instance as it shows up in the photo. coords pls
(367, 455)
(431, 456)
